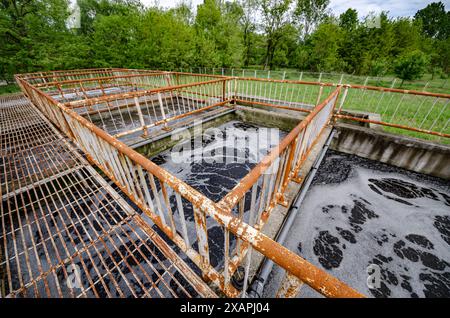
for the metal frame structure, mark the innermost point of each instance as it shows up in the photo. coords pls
(158, 98)
(150, 187)
(62, 222)
(406, 110)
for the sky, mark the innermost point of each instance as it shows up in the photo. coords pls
(396, 8)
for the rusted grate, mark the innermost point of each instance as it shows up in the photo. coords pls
(138, 178)
(60, 218)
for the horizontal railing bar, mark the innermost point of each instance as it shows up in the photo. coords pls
(201, 75)
(298, 109)
(62, 71)
(269, 80)
(104, 78)
(396, 90)
(63, 74)
(167, 120)
(97, 100)
(370, 121)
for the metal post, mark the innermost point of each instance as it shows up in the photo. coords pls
(202, 237)
(320, 95)
(343, 100)
(393, 83)
(141, 117)
(162, 109)
(290, 286)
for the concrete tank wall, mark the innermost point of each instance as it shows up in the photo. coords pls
(404, 152)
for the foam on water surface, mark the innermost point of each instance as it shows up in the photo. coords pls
(359, 212)
(214, 167)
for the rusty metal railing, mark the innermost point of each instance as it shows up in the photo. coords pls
(59, 214)
(284, 94)
(402, 110)
(265, 185)
(151, 187)
(126, 113)
(80, 74)
(85, 88)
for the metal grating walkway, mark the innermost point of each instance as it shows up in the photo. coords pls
(65, 232)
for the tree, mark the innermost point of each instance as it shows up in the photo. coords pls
(164, 41)
(411, 66)
(407, 36)
(91, 10)
(349, 20)
(435, 20)
(275, 18)
(248, 23)
(218, 23)
(32, 34)
(310, 13)
(325, 42)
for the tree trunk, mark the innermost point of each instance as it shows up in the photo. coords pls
(268, 60)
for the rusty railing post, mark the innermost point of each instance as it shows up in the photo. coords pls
(141, 117)
(290, 286)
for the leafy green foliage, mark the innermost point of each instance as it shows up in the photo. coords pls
(411, 66)
(435, 20)
(302, 34)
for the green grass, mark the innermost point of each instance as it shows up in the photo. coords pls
(436, 85)
(423, 112)
(410, 110)
(8, 89)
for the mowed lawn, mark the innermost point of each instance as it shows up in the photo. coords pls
(423, 112)
(426, 83)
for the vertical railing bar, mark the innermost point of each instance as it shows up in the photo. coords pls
(226, 270)
(145, 188)
(202, 237)
(184, 231)
(168, 208)
(157, 199)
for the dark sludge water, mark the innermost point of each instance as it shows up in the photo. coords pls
(227, 156)
(374, 213)
(62, 226)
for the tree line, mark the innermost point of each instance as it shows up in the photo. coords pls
(300, 34)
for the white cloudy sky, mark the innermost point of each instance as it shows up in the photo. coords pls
(395, 7)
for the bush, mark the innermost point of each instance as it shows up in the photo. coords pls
(411, 66)
(379, 67)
